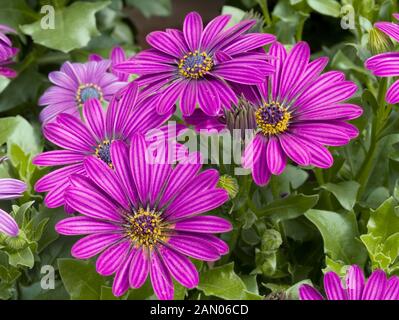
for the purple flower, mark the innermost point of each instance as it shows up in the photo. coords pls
(7, 52)
(10, 189)
(386, 64)
(377, 287)
(75, 84)
(78, 139)
(117, 56)
(198, 65)
(294, 114)
(145, 218)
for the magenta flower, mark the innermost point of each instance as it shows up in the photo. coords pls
(196, 66)
(78, 139)
(75, 84)
(146, 218)
(7, 52)
(10, 189)
(294, 114)
(386, 64)
(377, 287)
(117, 56)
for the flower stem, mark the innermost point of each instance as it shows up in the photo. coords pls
(265, 11)
(377, 125)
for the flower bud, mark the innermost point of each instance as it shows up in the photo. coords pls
(229, 184)
(379, 42)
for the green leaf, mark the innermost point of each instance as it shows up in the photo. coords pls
(345, 192)
(22, 257)
(16, 12)
(287, 208)
(292, 293)
(342, 62)
(75, 25)
(382, 239)
(340, 233)
(22, 91)
(152, 8)
(236, 14)
(81, 279)
(223, 282)
(327, 7)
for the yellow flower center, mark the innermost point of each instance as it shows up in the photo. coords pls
(146, 228)
(195, 65)
(272, 119)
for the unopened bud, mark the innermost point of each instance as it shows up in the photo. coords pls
(229, 184)
(379, 42)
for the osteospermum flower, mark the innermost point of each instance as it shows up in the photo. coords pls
(7, 52)
(10, 189)
(196, 66)
(78, 139)
(377, 287)
(386, 64)
(294, 114)
(117, 56)
(145, 218)
(76, 83)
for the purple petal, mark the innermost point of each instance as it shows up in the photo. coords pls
(331, 112)
(324, 133)
(279, 53)
(62, 80)
(101, 174)
(110, 260)
(294, 67)
(392, 95)
(275, 156)
(93, 244)
(293, 147)
(188, 99)
(169, 96)
(95, 118)
(192, 29)
(319, 156)
(164, 43)
(8, 224)
(307, 292)
(213, 29)
(389, 28)
(84, 225)
(121, 280)
(355, 283)
(249, 42)
(392, 291)
(139, 269)
(375, 286)
(333, 287)
(57, 158)
(192, 246)
(140, 168)
(252, 151)
(204, 224)
(57, 177)
(181, 268)
(161, 279)
(260, 171)
(239, 72)
(11, 188)
(208, 97)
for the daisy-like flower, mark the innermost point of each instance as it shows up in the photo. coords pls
(7, 52)
(145, 218)
(377, 287)
(196, 66)
(78, 139)
(76, 83)
(117, 56)
(294, 114)
(386, 64)
(10, 189)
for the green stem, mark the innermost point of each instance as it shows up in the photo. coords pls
(378, 123)
(265, 11)
(325, 196)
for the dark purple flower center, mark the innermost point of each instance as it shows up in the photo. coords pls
(195, 65)
(272, 118)
(88, 91)
(145, 228)
(103, 152)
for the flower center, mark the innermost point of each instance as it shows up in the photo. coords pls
(195, 65)
(103, 152)
(88, 91)
(272, 118)
(145, 228)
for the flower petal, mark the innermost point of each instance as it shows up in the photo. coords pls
(84, 225)
(375, 286)
(110, 260)
(8, 224)
(93, 244)
(355, 283)
(333, 287)
(139, 269)
(192, 29)
(307, 292)
(160, 278)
